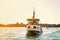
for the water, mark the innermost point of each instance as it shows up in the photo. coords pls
(19, 33)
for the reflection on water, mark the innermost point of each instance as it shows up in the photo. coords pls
(19, 33)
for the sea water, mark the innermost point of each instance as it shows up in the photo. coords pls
(19, 33)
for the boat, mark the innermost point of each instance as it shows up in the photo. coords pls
(33, 27)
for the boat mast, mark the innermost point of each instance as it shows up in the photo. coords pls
(33, 13)
(33, 17)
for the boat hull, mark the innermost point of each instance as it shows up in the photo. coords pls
(33, 33)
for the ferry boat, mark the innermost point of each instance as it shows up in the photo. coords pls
(33, 27)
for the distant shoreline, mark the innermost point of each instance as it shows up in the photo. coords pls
(24, 25)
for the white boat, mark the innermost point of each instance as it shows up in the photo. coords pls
(33, 27)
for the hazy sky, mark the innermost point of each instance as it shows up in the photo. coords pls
(12, 11)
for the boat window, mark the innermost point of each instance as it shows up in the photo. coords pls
(28, 26)
(34, 27)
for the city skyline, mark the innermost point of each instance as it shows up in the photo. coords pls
(12, 11)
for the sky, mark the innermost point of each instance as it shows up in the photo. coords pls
(12, 11)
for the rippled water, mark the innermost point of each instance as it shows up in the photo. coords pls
(19, 33)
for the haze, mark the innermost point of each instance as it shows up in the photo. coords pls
(12, 11)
